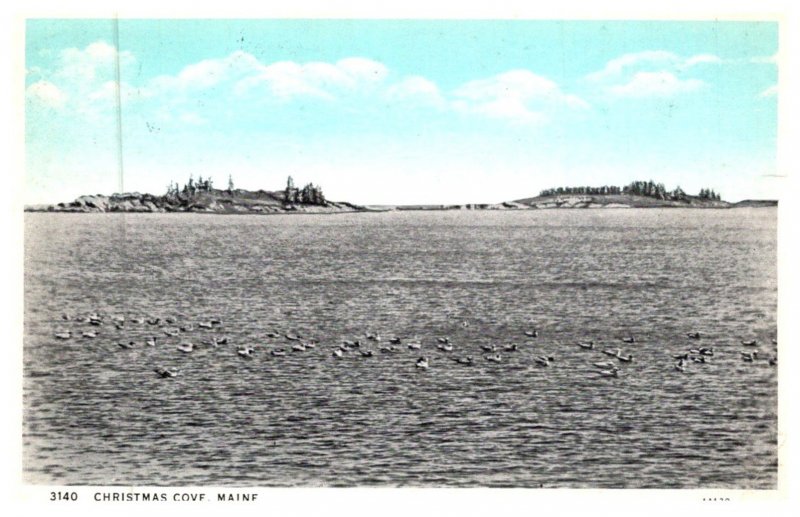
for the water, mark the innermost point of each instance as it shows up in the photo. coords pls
(96, 413)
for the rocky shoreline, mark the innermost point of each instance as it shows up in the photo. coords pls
(263, 202)
(214, 202)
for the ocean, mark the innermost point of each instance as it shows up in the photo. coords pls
(97, 413)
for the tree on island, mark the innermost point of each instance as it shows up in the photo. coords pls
(308, 195)
(635, 188)
(230, 184)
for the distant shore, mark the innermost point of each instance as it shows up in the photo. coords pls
(264, 202)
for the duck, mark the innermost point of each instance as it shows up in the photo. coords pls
(466, 361)
(186, 328)
(532, 333)
(172, 332)
(153, 321)
(292, 337)
(706, 351)
(613, 353)
(389, 349)
(394, 341)
(91, 334)
(186, 347)
(278, 352)
(693, 335)
(64, 335)
(366, 353)
(221, 341)
(511, 348)
(749, 357)
(151, 341)
(137, 321)
(681, 366)
(684, 357)
(445, 347)
(751, 342)
(629, 339)
(489, 348)
(170, 320)
(95, 321)
(605, 364)
(773, 361)
(66, 317)
(298, 347)
(589, 345)
(215, 321)
(246, 352)
(495, 358)
(625, 359)
(337, 353)
(698, 358)
(309, 344)
(415, 345)
(126, 346)
(443, 340)
(774, 341)
(166, 373)
(609, 373)
(543, 361)
(422, 362)
(273, 334)
(205, 325)
(373, 337)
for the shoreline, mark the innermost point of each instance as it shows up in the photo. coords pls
(241, 202)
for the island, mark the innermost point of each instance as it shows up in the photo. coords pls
(200, 196)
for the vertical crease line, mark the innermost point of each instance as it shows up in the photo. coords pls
(118, 91)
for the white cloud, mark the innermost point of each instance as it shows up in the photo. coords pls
(772, 91)
(518, 95)
(656, 84)
(46, 94)
(96, 62)
(617, 66)
(416, 89)
(701, 59)
(773, 59)
(287, 79)
(86, 82)
(651, 73)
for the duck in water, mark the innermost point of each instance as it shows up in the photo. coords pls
(588, 345)
(422, 363)
(494, 358)
(166, 373)
(246, 352)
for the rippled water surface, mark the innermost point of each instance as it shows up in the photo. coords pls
(97, 413)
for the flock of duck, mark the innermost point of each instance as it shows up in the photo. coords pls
(296, 343)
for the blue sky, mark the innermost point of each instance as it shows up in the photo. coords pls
(394, 111)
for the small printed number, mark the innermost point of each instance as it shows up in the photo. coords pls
(63, 496)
